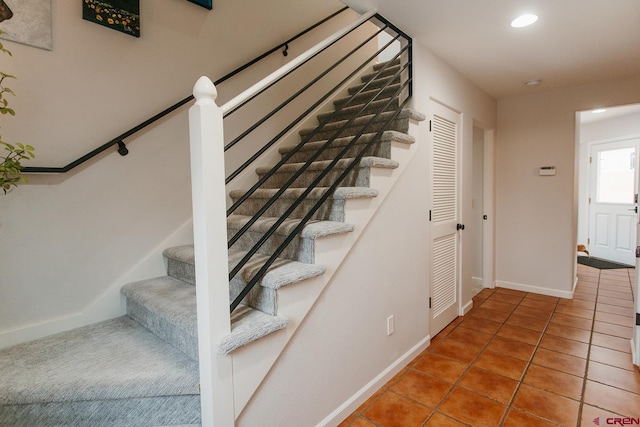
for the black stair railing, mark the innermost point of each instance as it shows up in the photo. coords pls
(301, 170)
(375, 107)
(120, 139)
(327, 193)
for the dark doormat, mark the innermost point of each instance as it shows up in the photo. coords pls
(600, 263)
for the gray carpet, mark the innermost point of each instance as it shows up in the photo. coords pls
(88, 376)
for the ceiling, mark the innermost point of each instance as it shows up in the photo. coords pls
(574, 42)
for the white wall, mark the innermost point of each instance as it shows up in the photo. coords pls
(342, 345)
(613, 129)
(537, 216)
(69, 242)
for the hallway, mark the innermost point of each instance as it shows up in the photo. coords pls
(522, 359)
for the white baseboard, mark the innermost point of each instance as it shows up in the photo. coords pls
(534, 289)
(361, 396)
(466, 308)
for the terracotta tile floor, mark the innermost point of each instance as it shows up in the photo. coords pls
(522, 359)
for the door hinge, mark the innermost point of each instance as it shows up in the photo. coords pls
(429, 214)
(589, 200)
(429, 302)
(637, 251)
(590, 159)
(588, 241)
(429, 125)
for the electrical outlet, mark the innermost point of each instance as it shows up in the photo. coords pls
(390, 325)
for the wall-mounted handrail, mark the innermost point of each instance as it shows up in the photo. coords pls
(255, 90)
(119, 140)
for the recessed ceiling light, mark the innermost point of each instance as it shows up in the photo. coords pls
(599, 110)
(524, 20)
(533, 83)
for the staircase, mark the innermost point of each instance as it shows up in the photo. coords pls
(141, 369)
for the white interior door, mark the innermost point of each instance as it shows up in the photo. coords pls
(614, 183)
(444, 217)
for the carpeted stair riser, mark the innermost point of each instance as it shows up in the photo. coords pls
(378, 149)
(357, 177)
(331, 210)
(352, 109)
(375, 84)
(367, 95)
(296, 250)
(264, 295)
(388, 72)
(166, 307)
(337, 129)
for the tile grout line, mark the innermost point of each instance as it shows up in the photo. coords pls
(586, 368)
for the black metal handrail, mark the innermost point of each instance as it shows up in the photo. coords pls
(328, 192)
(119, 140)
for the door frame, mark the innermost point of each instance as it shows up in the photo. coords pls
(488, 202)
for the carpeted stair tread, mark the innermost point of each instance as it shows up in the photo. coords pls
(283, 272)
(248, 325)
(114, 359)
(301, 248)
(368, 94)
(386, 136)
(374, 84)
(312, 230)
(387, 72)
(406, 113)
(341, 193)
(358, 176)
(167, 307)
(349, 111)
(369, 161)
(379, 65)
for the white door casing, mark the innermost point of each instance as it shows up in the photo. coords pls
(444, 217)
(613, 183)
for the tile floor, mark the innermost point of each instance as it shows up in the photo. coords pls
(522, 359)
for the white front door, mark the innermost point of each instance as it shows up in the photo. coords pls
(612, 220)
(444, 217)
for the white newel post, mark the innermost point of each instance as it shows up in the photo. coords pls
(210, 241)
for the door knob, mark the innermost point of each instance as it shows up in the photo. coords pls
(460, 227)
(635, 209)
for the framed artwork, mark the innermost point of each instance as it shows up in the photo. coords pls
(204, 3)
(27, 22)
(120, 15)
